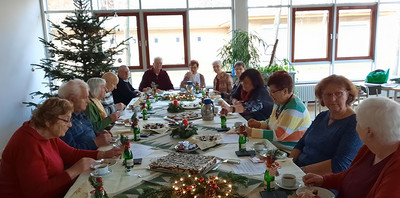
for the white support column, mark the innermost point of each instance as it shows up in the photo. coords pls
(241, 15)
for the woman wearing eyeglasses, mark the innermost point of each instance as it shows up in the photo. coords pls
(254, 101)
(37, 163)
(289, 119)
(331, 142)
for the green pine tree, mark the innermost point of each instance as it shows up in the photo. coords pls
(81, 53)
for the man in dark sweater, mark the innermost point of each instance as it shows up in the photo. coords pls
(124, 91)
(157, 75)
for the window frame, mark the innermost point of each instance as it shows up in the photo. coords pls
(185, 37)
(372, 32)
(328, 36)
(333, 43)
(138, 33)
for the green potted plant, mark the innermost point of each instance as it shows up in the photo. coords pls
(242, 47)
(278, 65)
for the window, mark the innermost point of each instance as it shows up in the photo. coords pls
(313, 37)
(168, 27)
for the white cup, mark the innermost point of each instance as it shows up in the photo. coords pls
(101, 169)
(288, 180)
(216, 110)
(259, 146)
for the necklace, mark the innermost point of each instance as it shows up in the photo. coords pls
(279, 110)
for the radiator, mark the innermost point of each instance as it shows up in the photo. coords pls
(305, 92)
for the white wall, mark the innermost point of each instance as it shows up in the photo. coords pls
(19, 47)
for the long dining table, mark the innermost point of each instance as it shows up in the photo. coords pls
(121, 184)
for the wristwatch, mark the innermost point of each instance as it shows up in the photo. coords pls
(233, 109)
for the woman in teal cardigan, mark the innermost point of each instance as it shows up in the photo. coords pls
(95, 110)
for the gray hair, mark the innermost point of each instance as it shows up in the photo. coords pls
(72, 88)
(218, 62)
(155, 58)
(381, 115)
(94, 86)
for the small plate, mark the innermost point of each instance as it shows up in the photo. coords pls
(186, 151)
(278, 183)
(110, 162)
(322, 192)
(119, 122)
(128, 124)
(96, 175)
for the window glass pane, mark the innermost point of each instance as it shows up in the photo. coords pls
(162, 34)
(354, 32)
(209, 31)
(60, 4)
(353, 70)
(56, 18)
(162, 4)
(264, 22)
(388, 38)
(311, 34)
(115, 4)
(255, 3)
(126, 28)
(209, 3)
(309, 2)
(312, 72)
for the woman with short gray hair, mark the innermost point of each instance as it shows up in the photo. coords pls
(95, 110)
(376, 168)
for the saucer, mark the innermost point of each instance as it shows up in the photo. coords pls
(101, 175)
(278, 183)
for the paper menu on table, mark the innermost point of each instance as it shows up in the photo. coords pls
(140, 150)
(230, 138)
(247, 167)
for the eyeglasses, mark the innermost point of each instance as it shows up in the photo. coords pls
(337, 94)
(64, 120)
(272, 92)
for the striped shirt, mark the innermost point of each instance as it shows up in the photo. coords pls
(290, 126)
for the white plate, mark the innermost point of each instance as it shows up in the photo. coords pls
(119, 122)
(128, 124)
(191, 106)
(278, 183)
(322, 192)
(96, 175)
(186, 151)
(159, 130)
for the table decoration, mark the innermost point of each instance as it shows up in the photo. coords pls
(184, 130)
(200, 186)
(175, 107)
(97, 183)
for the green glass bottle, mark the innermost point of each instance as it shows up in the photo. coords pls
(148, 103)
(242, 143)
(136, 133)
(242, 138)
(144, 114)
(197, 89)
(128, 158)
(223, 121)
(268, 181)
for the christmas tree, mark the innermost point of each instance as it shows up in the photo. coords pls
(81, 53)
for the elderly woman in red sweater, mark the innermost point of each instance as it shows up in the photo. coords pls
(34, 160)
(375, 170)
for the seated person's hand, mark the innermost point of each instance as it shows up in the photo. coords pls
(83, 165)
(253, 123)
(158, 90)
(311, 179)
(187, 75)
(120, 106)
(223, 104)
(146, 89)
(236, 102)
(114, 116)
(114, 152)
(216, 92)
(103, 139)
